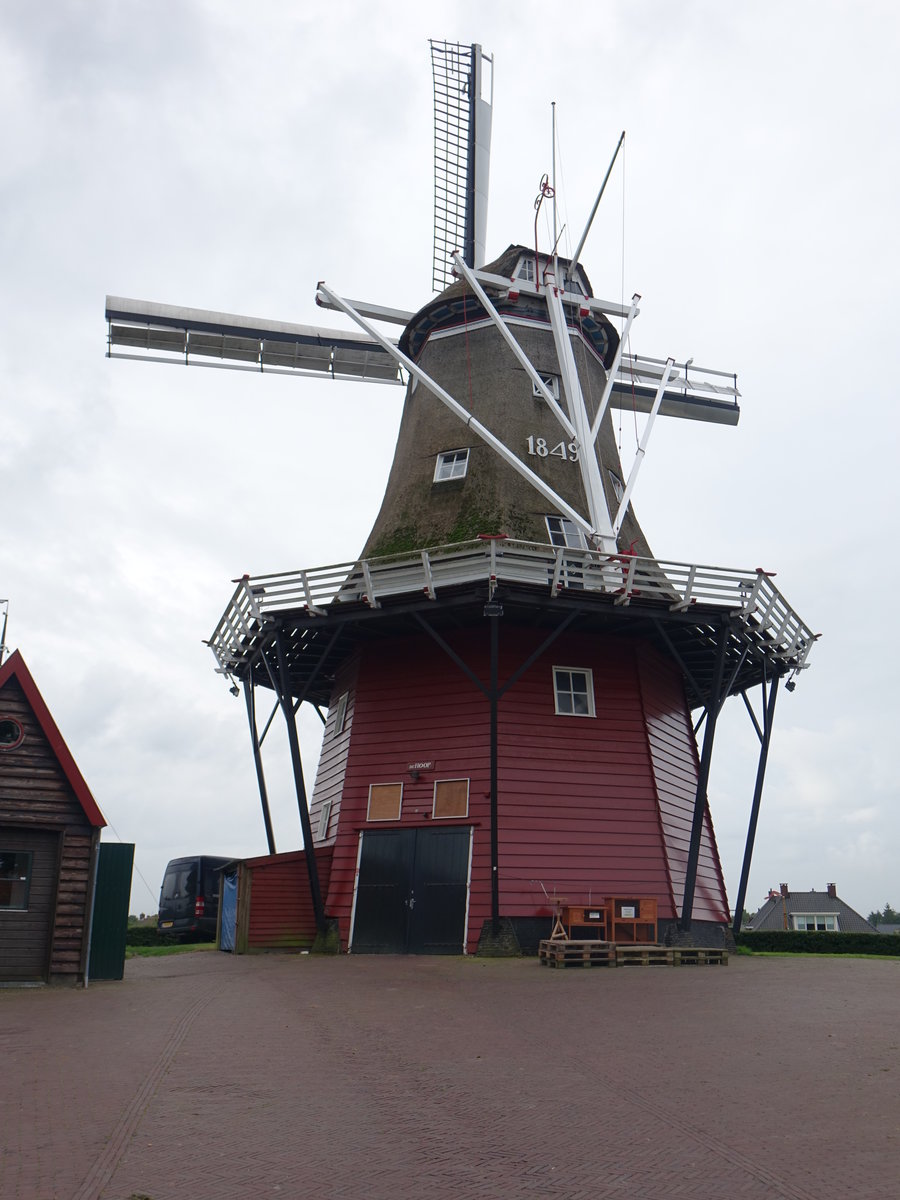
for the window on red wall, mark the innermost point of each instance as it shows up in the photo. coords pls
(573, 690)
(451, 798)
(385, 800)
(340, 714)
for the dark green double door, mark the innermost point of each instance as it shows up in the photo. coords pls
(411, 895)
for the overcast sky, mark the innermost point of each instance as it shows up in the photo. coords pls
(193, 154)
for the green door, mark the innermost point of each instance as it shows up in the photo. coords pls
(110, 923)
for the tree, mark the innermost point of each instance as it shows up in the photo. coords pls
(887, 916)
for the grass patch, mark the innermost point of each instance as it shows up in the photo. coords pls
(161, 951)
(745, 950)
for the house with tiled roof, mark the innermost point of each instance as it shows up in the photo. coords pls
(810, 912)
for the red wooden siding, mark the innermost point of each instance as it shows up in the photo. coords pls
(333, 757)
(281, 914)
(411, 703)
(41, 789)
(673, 753)
(580, 798)
(577, 805)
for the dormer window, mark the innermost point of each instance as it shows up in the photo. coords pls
(525, 269)
(573, 285)
(451, 464)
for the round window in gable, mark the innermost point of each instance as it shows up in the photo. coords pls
(11, 733)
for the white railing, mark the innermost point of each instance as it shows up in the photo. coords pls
(748, 595)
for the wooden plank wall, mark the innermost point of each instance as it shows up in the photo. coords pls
(35, 793)
(578, 796)
(333, 757)
(280, 911)
(25, 936)
(675, 762)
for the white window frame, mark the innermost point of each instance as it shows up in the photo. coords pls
(563, 532)
(525, 268)
(550, 382)
(815, 918)
(324, 819)
(451, 464)
(557, 691)
(617, 485)
(340, 713)
(455, 816)
(387, 783)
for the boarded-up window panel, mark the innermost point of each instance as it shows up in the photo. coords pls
(384, 801)
(451, 798)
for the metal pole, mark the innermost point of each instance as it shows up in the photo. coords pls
(3, 636)
(553, 185)
(495, 840)
(713, 704)
(587, 228)
(287, 708)
(249, 696)
(754, 808)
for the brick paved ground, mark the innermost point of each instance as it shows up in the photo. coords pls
(206, 1076)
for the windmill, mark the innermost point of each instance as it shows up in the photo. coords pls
(509, 672)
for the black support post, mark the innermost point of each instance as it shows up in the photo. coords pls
(713, 705)
(494, 619)
(249, 696)
(284, 697)
(768, 718)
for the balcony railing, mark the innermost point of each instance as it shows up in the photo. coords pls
(748, 595)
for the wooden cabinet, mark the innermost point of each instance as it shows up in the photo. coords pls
(632, 919)
(592, 917)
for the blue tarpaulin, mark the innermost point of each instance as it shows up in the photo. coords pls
(229, 910)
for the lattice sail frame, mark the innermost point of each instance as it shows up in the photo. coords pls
(462, 134)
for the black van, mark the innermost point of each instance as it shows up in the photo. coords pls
(189, 896)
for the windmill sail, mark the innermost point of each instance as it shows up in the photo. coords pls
(463, 97)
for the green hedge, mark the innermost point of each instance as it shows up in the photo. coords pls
(789, 941)
(147, 935)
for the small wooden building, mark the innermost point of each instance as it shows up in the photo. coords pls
(272, 909)
(49, 839)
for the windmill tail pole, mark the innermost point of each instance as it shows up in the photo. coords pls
(5, 603)
(587, 228)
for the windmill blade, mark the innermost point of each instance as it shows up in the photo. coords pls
(144, 329)
(693, 393)
(463, 98)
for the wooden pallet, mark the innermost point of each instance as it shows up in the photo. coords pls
(568, 952)
(645, 955)
(695, 956)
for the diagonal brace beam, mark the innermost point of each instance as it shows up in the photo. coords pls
(464, 415)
